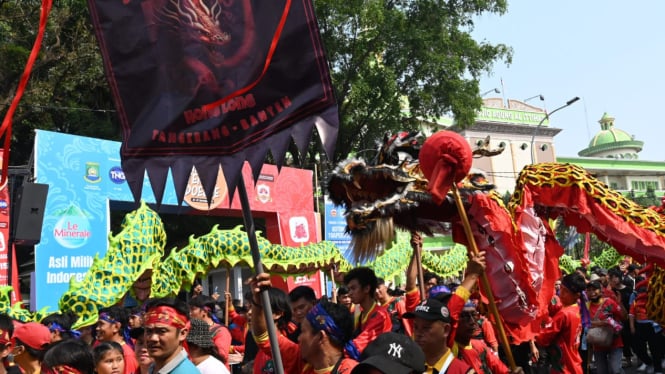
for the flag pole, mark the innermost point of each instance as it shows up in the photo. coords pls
(258, 268)
(484, 281)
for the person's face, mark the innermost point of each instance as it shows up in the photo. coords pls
(135, 320)
(468, 324)
(604, 280)
(430, 335)
(141, 351)
(55, 336)
(112, 362)
(308, 340)
(20, 356)
(142, 286)
(593, 293)
(614, 281)
(557, 286)
(198, 289)
(566, 296)
(430, 283)
(345, 300)
(300, 308)
(196, 312)
(106, 330)
(357, 293)
(382, 293)
(163, 341)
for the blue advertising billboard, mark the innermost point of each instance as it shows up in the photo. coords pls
(335, 228)
(83, 175)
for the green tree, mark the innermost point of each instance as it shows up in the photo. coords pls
(386, 55)
(67, 91)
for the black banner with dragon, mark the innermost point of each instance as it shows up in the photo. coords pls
(209, 82)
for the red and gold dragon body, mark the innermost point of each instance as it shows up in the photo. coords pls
(517, 239)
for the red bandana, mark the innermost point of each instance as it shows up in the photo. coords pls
(165, 315)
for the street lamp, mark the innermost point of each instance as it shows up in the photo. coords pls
(495, 90)
(547, 116)
(541, 97)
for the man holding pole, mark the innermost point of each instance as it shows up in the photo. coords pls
(324, 345)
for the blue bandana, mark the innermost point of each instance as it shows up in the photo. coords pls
(54, 326)
(322, 321)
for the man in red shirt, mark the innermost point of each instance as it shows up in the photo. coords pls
(474, 351)
(606, 311)
(395, 307)
(324, 339)
(373, 319)
(561, 337)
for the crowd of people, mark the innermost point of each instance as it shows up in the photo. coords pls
(366, 327)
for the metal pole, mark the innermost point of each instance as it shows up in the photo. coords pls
(547, 116)
(258, 268)
(484, 281)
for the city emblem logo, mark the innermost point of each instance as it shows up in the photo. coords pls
(92, 172)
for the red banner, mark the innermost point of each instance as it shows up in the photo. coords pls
(209, 82)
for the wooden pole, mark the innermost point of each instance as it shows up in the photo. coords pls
(419, 266)
(258, 268)
(484, 281)
(227, 296)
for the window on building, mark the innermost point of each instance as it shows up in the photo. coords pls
(644, 185)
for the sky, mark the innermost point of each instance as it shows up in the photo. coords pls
(609, 53)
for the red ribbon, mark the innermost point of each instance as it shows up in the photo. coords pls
(6, 128)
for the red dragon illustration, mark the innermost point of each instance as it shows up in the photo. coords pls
(216, 35)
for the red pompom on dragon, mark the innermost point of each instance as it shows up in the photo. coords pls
(412, 192)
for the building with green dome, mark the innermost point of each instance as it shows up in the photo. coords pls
(525, 134)
(613, 157)
(612, 142)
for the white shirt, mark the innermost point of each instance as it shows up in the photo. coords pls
(212, 365)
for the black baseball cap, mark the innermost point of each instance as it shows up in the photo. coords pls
(594, 284)
(430, 309)
(392, 353)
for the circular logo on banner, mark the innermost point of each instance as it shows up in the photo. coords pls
(116, 175)
(196, 197)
